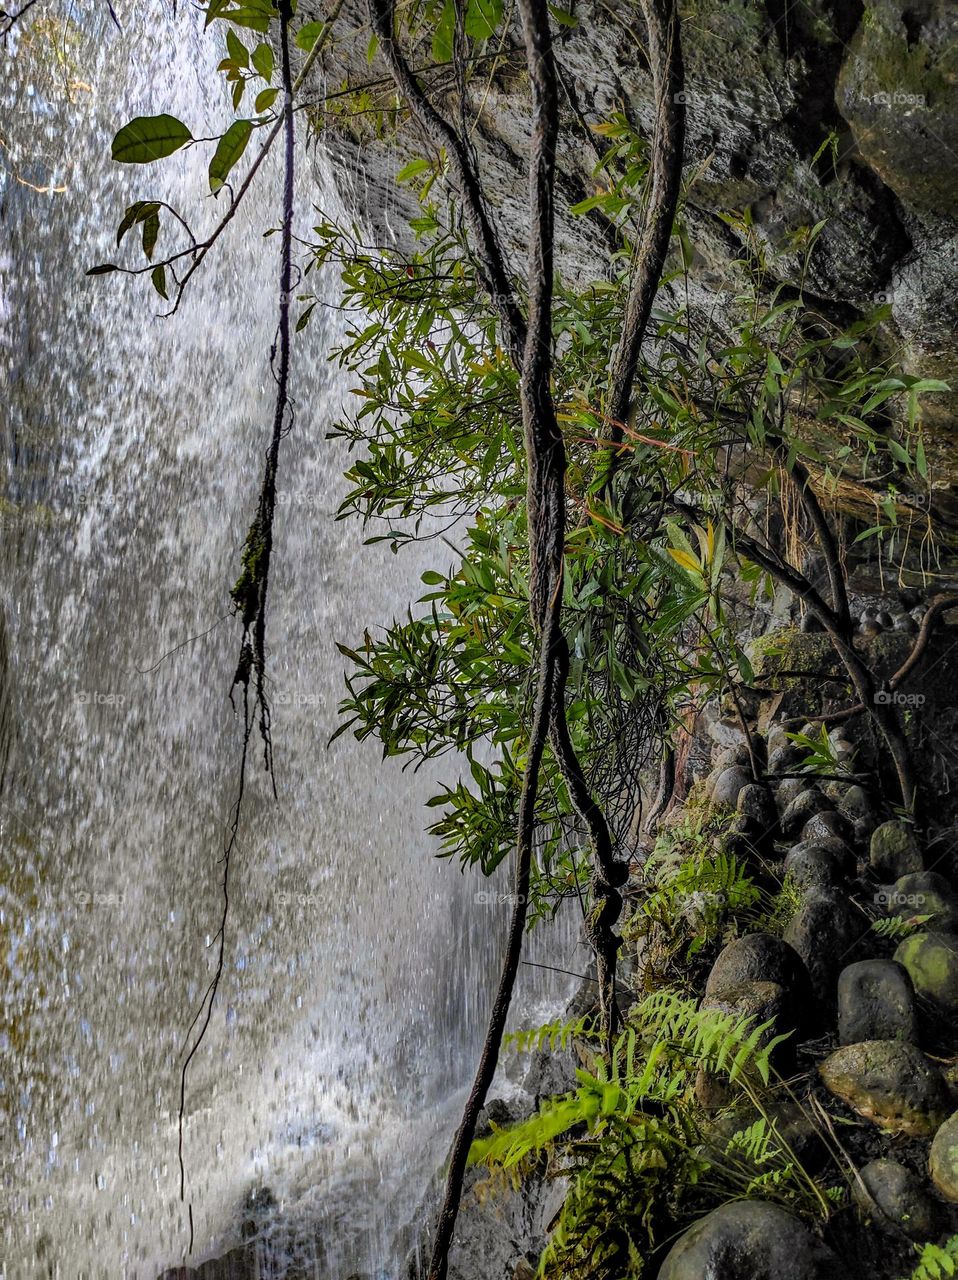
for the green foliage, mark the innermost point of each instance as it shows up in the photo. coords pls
(894, 928)
(821, 757)
(149, 138)
(696, 895)
(937, 1261)
(228, 151)
(630, 1141)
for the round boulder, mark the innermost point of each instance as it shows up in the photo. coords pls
(925, 893)
(750, 1240)
(787, 790)
(825, 933)
(932, 963)
(897, 1197)
(857, 807)
(783, 758)
(755, 802)
(827, 824)
(728, 784)
(811, 867)
(758, 957)
(805, 805)
(876, 1001)
(890, 1083)
(894, 851)
(762, 1002)
(943, 1159)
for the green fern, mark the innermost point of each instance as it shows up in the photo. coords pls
(894, 928)
(653, 1061)
(553, 1036)
(937, 1261)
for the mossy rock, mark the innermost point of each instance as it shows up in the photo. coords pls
(788, 650)
(890, 1083)
(898, 90)
(932, 962)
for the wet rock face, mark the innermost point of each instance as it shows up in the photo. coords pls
(890, 1083)
(842, 114)
(750, 1241)
(898, 91)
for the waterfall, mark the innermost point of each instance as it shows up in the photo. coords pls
(358, 967)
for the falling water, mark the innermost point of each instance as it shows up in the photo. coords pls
(358, 966)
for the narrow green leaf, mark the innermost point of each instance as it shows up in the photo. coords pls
(151, 230)
(103, 269)
(228, 150)
(563, 18)
(149, 138)
(158, 277)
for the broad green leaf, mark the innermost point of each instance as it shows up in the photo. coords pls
(262, 61)
(237, 51)
(308, 34)
(413, 169)
(254, 15)
(214, 9)
(149, 138)
(265, 100)
(445, 34)
(482, 18)
(228, 150)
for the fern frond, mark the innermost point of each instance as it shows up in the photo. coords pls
(894, 928)
(554, 1036)
(937, 1262)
